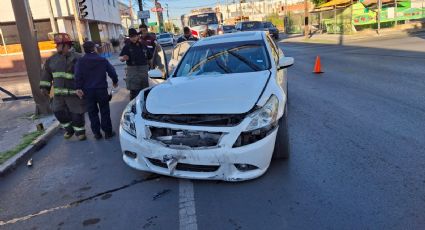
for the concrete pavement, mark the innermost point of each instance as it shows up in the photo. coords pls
(357, 160)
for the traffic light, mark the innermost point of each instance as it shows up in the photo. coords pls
(82, 7)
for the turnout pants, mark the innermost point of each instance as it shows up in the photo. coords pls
(98, 100)
(69, 110)
(137, 79)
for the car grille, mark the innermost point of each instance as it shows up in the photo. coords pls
(186, 167)
(225, 120)
(187, 138)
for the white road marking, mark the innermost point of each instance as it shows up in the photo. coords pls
(187, 212)
(13, 221)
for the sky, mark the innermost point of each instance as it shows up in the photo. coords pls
(176, 7)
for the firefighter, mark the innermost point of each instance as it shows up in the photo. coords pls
(137, 56)
(59, 72)
(187, 36)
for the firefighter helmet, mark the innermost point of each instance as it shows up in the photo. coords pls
(62, 38)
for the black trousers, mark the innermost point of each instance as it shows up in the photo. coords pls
(98, 100)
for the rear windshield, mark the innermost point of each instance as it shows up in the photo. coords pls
(252, 26)
(268, 25)
(164, 36)
(228, 27)
(226, 58)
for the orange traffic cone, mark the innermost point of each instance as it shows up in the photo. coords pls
(317, 66)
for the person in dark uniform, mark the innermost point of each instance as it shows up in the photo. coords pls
(149, 40)
(90, 82)
(187, 36)
(137, 56)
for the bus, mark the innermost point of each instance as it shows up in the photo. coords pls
(200, 19)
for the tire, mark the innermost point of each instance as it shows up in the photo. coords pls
(281, 147)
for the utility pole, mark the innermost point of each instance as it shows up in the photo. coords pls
(131, 14)
(395, 12)
(78, 23)
(52, 17)
(240, 10)
(306, 30)
(379, 15)
(31, 52)
(141, 9)
(168, 19)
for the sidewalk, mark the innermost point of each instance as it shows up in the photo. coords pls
(16, 121)
(16, 117)
(401, 31)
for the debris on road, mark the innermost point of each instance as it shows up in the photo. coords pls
(29, 163)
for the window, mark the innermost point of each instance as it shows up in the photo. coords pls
(252, 26)
(203, 19)
(176, 52)
(225, 58)
(164, 36)
(275, 52)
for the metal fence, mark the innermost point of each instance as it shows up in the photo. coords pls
(357, 17)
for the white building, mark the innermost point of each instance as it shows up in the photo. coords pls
(102, 23)
(128, 17)
(256, 10)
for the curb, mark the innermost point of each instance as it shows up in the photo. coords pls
(35, 146)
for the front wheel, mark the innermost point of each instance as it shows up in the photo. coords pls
(281, 147)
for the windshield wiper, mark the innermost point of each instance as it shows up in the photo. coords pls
(246, 61)
(225, 68)
(230, 51)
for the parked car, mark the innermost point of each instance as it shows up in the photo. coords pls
(221, 115)
(228, 29)
(165, 39)
(250, 26)
(273, 31)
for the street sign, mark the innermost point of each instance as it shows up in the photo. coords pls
(143, 14)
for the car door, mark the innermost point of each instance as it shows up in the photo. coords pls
(159, 62)
(178, 54)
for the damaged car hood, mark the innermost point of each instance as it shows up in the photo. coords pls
(207, 94)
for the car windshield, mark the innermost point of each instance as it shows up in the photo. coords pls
(203, 19)
(164, 36)
(252, 26)
(226, 58)
(228, 27)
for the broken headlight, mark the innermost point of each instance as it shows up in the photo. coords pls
(265, 116)
(127, 119)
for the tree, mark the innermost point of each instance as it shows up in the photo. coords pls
(318, 2)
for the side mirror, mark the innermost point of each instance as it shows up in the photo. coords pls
(155, 74)
(285, 62)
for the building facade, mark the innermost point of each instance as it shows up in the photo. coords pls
(102, 23)
(256, 10)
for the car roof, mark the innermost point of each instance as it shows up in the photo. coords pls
(251, 22)
(232, 37)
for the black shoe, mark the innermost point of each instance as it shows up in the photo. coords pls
(109, 135)
(98, 136)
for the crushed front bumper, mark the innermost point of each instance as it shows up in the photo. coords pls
(222, 162)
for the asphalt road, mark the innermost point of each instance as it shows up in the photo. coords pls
(357, 160)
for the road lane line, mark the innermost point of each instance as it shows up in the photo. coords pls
(187, 211)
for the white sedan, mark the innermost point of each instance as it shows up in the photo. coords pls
(165, 39)
(221, 115)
